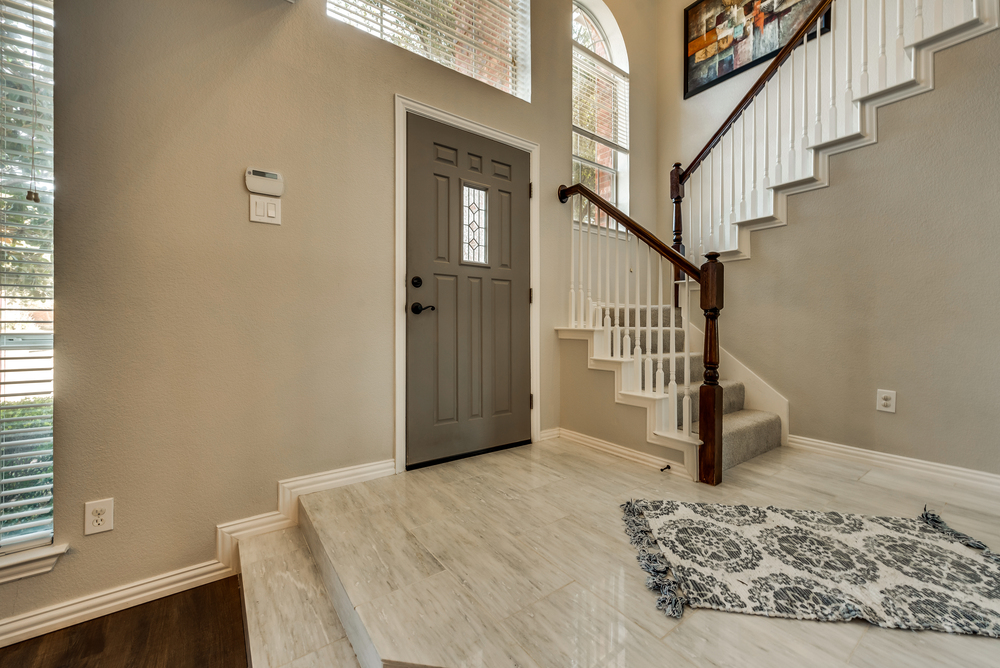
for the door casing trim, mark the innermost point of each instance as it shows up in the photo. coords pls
(404, 106)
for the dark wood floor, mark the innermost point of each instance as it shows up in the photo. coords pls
(198, 628)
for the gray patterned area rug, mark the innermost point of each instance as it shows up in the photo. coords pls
(894, 572)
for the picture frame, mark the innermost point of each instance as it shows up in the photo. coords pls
(725, 37)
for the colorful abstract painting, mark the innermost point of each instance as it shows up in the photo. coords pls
(726, 36)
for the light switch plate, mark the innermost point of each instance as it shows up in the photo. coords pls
(885, 400)
(265, 209)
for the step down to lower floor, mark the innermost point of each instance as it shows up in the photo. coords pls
(746, 434)
(290, 620)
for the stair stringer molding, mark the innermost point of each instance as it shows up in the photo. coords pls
(865, 114)
(759, 395)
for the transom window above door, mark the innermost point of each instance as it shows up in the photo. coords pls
(488, 40)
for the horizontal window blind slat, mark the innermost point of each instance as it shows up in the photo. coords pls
(488, 40)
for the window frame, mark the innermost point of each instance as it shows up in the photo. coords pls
(617, 62)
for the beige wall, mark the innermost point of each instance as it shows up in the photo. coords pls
(885, 280)
(201, 358)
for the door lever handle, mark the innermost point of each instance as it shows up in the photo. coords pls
(417, 308)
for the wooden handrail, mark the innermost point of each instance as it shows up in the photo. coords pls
(651, 240)
(778, 61)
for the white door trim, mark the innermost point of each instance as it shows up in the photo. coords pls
(405, 105)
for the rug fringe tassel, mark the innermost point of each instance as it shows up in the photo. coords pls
(934, 520)
(670, 601)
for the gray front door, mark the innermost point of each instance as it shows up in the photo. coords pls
(467, 361)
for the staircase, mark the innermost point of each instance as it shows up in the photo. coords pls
(817, 100)
(746, 432)
(818, 97)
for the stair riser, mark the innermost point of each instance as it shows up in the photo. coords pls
(733, 398)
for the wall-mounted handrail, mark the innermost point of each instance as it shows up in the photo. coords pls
(710, 278)
(651, 240)
(772, 68)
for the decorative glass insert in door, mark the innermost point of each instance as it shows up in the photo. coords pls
(474, 232)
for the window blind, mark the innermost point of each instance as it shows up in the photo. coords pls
(488, 40)
(600, 100)
(26, 91)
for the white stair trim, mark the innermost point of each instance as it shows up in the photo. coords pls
(886, 460)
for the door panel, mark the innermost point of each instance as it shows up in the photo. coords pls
(468, 368)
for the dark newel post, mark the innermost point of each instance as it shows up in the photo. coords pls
(677, 196)
(710, 396)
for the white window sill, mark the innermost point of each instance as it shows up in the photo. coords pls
(30, 562)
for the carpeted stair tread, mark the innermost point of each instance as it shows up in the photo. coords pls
(733, 396)
(748, 433)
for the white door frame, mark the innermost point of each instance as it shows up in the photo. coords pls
(404, 106)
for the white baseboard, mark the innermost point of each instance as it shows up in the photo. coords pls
(953, 473)
(61, 615)
(546, 434)
(226, 563)
(625, 453)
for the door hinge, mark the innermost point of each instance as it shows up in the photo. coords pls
(531, 402)
(531, 190)
(531, 295)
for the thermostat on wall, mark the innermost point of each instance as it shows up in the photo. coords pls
(265, 183)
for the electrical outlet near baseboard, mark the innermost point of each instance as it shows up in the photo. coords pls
(98, 516)
(885, 400)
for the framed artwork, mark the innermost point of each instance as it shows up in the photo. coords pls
(724, 37)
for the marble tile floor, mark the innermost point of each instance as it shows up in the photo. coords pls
(518, 558)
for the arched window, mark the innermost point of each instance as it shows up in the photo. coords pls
(600, 104)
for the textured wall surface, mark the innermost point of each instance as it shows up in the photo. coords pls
(885, 280)
(202, 358)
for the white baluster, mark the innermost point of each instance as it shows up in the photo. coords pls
(599, 315)
(882, 62)
(754, 211)
(687, 355)
(626, 339)
(572, 272)
(637, 351)
(818, 130)
(732, 180)
(918, 20)
(766, 183)
(903, 66)
(957, 11)
(711, 202)
(659, 325)
(702, 237)
(672, 390)
(864, 47)
(743, 166)
(777, 130)
(791, 117)
(649, 322)
(848, 72)
(616, 349)
(590, 267)
(806, 162)
(832, 120)
(606, 291)
(607, 285)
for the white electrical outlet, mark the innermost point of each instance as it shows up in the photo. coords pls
(885, 400)
(98, 516)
